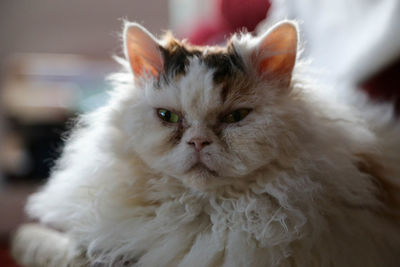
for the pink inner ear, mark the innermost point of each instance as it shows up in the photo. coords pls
(143, 52)
(277, 51)
(140, 67)
(279, 65)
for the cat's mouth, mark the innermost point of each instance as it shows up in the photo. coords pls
(202, 169)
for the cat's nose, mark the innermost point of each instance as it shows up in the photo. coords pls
(199, 143)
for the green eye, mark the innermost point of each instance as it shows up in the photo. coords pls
(236, 116)
(167, 115)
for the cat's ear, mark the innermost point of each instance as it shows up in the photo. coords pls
(275, 53)
(142, 50)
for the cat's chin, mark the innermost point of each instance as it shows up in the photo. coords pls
(202, 170)
(202, 178)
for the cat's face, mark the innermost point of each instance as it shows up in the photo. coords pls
(204, 116)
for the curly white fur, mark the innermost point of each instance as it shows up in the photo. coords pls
(292, 192)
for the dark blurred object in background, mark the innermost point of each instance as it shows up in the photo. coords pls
(385, 85)
(40, 93)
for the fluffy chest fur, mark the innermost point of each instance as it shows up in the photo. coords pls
(224, 157)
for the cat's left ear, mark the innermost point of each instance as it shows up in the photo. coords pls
(142, 50)
(275, 53)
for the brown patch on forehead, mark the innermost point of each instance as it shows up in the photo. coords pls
(225, 61)
(176, 56)
(230, 73)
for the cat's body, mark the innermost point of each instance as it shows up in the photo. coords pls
(217, 157)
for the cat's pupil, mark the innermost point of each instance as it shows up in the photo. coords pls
(166, 114)
(237, 115)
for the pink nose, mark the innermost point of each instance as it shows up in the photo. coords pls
(199, 143)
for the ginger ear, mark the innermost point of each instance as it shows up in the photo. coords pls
(142, 50)
(275, 54)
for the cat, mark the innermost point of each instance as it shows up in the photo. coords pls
(219, 156)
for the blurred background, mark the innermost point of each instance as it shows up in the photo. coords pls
(55, 55)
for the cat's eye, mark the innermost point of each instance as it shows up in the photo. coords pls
(167, 115)
(236, 115)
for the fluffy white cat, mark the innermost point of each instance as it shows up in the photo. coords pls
(220, 156)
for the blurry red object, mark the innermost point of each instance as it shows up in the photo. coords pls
(233, 15)
(5, 257)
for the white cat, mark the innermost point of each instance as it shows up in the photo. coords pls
(219, 156)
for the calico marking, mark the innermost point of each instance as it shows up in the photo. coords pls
(225, 62)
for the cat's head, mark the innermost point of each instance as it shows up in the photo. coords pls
(208, 115)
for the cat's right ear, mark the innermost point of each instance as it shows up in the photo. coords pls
(142, 50)
(275, 53)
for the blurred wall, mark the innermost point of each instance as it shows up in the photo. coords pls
(89, 27)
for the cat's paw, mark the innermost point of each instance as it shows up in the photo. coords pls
(34, 245)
